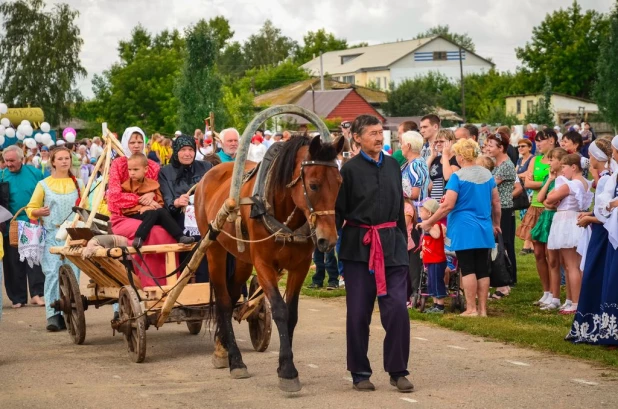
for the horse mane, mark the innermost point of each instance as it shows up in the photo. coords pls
(285, 163)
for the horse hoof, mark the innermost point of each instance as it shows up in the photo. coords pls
(219, 362)
(290, 385)
(240, 373)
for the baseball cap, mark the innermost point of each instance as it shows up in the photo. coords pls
(267, 132)
(44, 148)
(178, 133)
(556, 128)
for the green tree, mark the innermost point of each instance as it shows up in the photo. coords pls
(138, 91)
(238, 107)
(267, 78)
(268, 47)
(565, 47)
(39, 57)
(422, 95)
(221, 30)
(231, 61)
(199, 87)
(318, 42)
(606, 88)
(464, 40)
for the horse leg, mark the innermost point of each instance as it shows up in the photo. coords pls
(224, 334)
(288, 375)
(295, 282)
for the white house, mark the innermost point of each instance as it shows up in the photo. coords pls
(394, 62)
(565, 107)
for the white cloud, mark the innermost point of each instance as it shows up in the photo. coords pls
(496, 27)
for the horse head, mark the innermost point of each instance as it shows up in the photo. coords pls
(316, 193)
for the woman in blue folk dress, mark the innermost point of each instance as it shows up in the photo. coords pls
(52, 201)
(585, 328)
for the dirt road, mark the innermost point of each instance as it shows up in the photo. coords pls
(449, 369)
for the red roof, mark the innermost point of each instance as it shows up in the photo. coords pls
(345, 104)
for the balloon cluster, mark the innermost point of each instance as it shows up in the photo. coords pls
(25, 131)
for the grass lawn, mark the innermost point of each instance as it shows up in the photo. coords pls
(513, 319)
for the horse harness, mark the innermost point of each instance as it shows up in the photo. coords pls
(262, 209)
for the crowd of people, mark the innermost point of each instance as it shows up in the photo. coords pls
(453, 196)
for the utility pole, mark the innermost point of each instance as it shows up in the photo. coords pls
(313, 98)
(463, 92)
(321, 73)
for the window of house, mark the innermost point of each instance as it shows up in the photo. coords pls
(349, 79)
(530, 106)
(385, 83)
(378, 83)
(519, 106)
(439, 56)
(348, 58)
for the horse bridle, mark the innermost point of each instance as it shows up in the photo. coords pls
(313, 215)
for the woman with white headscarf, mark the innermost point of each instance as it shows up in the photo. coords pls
(133, 142)
(599, 291)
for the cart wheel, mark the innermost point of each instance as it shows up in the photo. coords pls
(421, 304)
(135, 330)
(260, 322)
(194, 327)
(73, 304)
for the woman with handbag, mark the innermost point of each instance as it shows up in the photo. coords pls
(504, 175)
(52, 202)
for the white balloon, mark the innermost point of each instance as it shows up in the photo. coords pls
(20, 136)
(28, 131)
(50, 144)
(45, 127)
(10, 133)
(46, 138)
(2, 129)
(4, 109)
(25, 122)
(30, 143)
(1, 140)
(69, 137)
(5, 122)
(38, 137)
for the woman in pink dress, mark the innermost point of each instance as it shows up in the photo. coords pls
(153, 264)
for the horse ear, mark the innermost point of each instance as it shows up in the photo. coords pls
(315, 147)
(340, 143)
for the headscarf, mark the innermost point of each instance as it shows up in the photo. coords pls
(598, 154)
(178, 144)
(126, 136)
(615, 142)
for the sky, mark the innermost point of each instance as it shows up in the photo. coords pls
(497, 27)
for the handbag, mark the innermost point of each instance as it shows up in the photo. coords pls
(14, 229)
(500, 267)
(521, 202)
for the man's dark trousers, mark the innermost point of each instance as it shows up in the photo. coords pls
(360, 301)
(18, 276)
(325, 263)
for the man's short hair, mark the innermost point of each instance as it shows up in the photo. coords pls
(432, 118)
(474, 131)
(139, 157)
(363, 121)
(225, 132)
(409, 126)
(18, 151)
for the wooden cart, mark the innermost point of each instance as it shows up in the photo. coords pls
(141, 307)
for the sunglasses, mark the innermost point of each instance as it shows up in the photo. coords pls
(522, 146)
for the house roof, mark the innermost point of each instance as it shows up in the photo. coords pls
(325, 101)
(292, 93)
(553, 93)
(370, 58)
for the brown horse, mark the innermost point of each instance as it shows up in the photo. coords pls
(303, 183)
